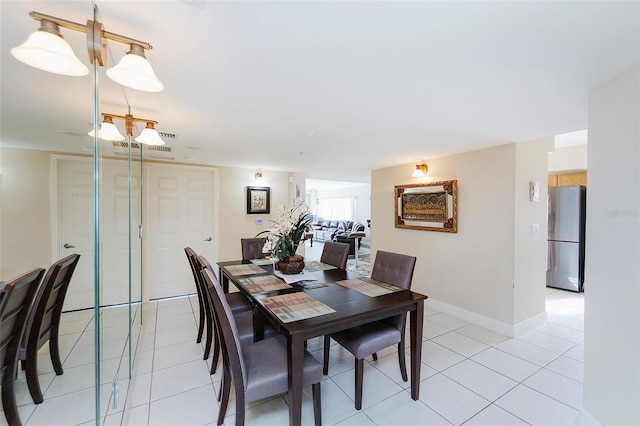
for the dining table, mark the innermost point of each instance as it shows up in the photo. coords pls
(325, 301)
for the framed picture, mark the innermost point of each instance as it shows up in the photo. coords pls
(431, 206)
(258, 199)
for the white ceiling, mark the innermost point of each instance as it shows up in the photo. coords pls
(353, 86)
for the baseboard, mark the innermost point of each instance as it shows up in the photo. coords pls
(586, 419)
(511, 330)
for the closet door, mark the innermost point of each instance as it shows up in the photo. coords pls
(179, 213)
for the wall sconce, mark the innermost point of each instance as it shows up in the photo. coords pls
(421, 170)
(259, 178)
(45, 49)
(109, 132)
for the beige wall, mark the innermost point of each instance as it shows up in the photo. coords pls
(25, 189)
(472, 273)
(612, 276)
(570, 158)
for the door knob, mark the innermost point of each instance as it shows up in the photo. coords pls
(208, 239)
(67, 246)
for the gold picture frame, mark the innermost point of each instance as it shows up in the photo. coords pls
(429, 206)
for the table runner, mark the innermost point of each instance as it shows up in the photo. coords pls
(295, 306)
(368, 286)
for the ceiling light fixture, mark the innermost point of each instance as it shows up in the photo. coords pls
(109, 132)
(46, 49)
(421, 170)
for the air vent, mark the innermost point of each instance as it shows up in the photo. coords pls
(167, 135)
(118, 144)
(161, 148)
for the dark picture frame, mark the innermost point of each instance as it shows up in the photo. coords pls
(258, 199)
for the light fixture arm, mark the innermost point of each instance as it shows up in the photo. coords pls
(129, 120)
(95, 36)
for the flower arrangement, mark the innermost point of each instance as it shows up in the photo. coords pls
(283, 238)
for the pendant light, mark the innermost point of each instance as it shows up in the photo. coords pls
(149, 135)
(108, 131)
(135, 71)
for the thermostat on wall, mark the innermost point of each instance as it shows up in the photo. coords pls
(258, 221)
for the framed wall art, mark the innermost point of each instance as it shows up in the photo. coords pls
(430, 206)
(258, 199)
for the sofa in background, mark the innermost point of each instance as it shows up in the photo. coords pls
(326, 230)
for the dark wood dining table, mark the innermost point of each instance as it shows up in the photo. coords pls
(352, 308)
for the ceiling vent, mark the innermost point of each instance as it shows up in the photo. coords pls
(167, 135)
(120, 144)
(161, 148)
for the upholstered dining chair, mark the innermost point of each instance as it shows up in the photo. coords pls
(361, 341)
(240, 307)
(257, 370)
(44, 320)
(335, 254)
(16, 297)
(252, 248)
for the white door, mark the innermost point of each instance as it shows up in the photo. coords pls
(179, 213)
(76, 213)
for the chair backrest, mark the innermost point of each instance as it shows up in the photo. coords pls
(227, 329)
(395, 269)
(47, 307)
(252, 248)
(193, 264)
(335, 254)
(16, 297)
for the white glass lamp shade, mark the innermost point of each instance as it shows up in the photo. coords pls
(109, 132)
(150, 136)
(420, 171)
(49, 52)
(135, 71)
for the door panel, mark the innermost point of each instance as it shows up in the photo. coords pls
(180, 214)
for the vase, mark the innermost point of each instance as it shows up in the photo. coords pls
(291, 265)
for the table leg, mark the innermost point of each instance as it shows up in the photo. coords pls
(258, 325)
(295, 360)
(415, 328)
(224, 280)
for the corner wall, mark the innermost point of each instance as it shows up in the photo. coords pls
(612, 276)
(473, 273)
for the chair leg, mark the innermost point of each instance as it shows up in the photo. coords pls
(327, 347)
(201, 319)
(317, 407)
(375, 356)
(225, 387)
(32, 376)
(240, 407)
(9, 399)
(207, 345)
(216, 354)
(54, 352)
(401, 359)
(359, 377)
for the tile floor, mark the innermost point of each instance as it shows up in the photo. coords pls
(470, 375)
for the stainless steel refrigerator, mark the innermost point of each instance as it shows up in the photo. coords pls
(565, 244)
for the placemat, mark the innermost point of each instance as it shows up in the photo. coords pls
(263, 284)
(371, 288)
(246, 269)
(263, 261)
(295, 306)
(314, 265)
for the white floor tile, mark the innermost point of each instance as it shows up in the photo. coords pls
(461, 344)
(527, 351)
(359, 419)
(452, 401)
(568, 367)
(557, 387)
(480, 379)
(511, 366)
(168, 356)
(495, 416)
(174, 380)
(390, 367)
(69, 409)
(481, 334)
(438, 357)
(340, 360)
(546, 341)
(177, 335)
(536, 408)
(562, 332)
(447, 321)
(192, 407)
(400, 409)
(376, 386)
(576, 352)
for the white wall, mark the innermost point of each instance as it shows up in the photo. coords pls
(612, 276)
(472, 273)
(570, 158)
